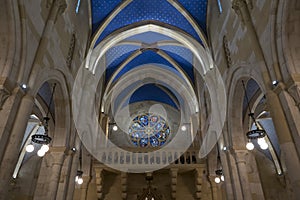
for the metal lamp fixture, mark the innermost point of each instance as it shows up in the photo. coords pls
(149, 193)
(257, 133)
(219, 172)
(78, 178)
(43, 139)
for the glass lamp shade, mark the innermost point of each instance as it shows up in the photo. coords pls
(183, 128)
(115, 128)
(261, 141)
(222, 178)
(41, 153)
(30, 148)
(250, 146)
(264, 146)
(45, 148)
(217, 180)
(80, 181)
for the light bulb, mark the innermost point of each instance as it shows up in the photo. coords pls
(76, 179)
(183, 128)
(29, 148)
(264, 146)
(45, 148)
(80, 181)
(115, 128)
(260, 141)
(217, 180)
(222, 178)
(250, 146)
(23, 86)
(41, 153)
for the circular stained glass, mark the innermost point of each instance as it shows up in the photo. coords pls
(149, 130)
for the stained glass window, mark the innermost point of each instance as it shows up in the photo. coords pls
(149, 130)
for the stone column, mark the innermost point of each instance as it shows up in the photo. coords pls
(11, 154)
(58, 156)
(173, 173)
(57, 7)
(198, 182)
(9, 104)
(240, 156)
(99, 182)
(215, 189)
(66, 176)
(73, 173)
(124, 185)
(84, 187)
(288, 150)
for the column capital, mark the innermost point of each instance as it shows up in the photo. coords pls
(61, 5)
(57, 155)
(241, 155)
(242, 7)
(293, 88)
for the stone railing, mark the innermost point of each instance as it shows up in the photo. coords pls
(127, 159)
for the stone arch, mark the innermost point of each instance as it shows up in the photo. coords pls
(288, 36)
(61, 101)
(10, 47)
(235, 103)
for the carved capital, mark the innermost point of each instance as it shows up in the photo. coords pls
(241, 8)
(4, 94)
(241, 156)
(294, 91)
(61, 5)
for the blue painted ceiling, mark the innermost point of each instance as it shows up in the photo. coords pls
(160, 11)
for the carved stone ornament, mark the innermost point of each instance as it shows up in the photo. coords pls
(227, 51)
(71, 51)
(294, 91)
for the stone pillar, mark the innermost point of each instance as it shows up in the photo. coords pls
(99, 182)
(66, 176)
(174, 174)
(124, 185)
(287, 145)
(234, 176)
(73, 173)
(84, 187)
(216, 189)
(11, 154)
(58, 156)
(198, 182)
(57, 7)
(241, 163)
(9, 104)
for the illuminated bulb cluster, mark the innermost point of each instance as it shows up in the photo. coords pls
(78, 178)
(219, 176)
(261, 142)
(41, 152)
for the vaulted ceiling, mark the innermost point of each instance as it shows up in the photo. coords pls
(130, 34)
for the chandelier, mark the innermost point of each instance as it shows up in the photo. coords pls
(256, 134)
(42, 139)
(150, 193)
